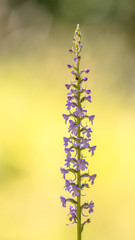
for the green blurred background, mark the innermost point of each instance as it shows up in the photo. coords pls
(34, 40)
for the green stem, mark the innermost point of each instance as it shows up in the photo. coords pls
(78, 173)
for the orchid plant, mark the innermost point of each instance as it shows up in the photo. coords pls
(78, 141)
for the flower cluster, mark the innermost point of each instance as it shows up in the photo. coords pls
(79, 137)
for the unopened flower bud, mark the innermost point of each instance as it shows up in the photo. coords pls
(87, 70)
(85, 79)
(70, 50)
(88, 91)
(80, 46)
(69, 66)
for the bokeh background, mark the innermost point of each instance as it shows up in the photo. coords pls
(34, 40)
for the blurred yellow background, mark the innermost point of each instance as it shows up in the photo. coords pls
(34, 43)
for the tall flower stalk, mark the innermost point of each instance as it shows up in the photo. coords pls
(77, 142)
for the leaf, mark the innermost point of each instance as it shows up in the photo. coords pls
(72, 200)
(82, 226)
(83, 99)
(72, 170)
(85, 175)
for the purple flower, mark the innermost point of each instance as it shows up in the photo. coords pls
(76, 143)
(80, 46)
(66, 117)
(87, 131)
(73, 127)
(91, 206)
(70, 98)
(68, 161)
(78, 57)
(64, 171)
(92, 178)
(67, 86)
(74, 73)
(92, 149)
(75, 191)
(82, 164)
(73, 217)
(80, 112)
(70, 50)
(75, 59)
(66, 141)
(71, 92)
(69, 66)
(85, 143)
(69, 105)
(87, 70)
(63, 200)
(88, 91)
(88, 98)
(85, 185)
(68, 151)
(85, 79)
(67, 185)
(91, 118)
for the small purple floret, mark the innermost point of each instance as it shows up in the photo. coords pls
(80, 46)
(82, 164)
(70, 50)
(67, 185)
(68, 151)
(92, 149)
(87, 131)
(74, 73)
(85, 143)
(75, 191)
(73, 127)
(67, 86)
(64, 171)
(87, 70)
(69, 66)
(69, 105)
(80, 112)
(92, 178)
(73, 214)
(63, 200)
(66, 117)
(68, 161)
(88, 98)
(91, 206)
(91, 118)
(85, 79)
(70, 98)
(88, 91)
(66, 141)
